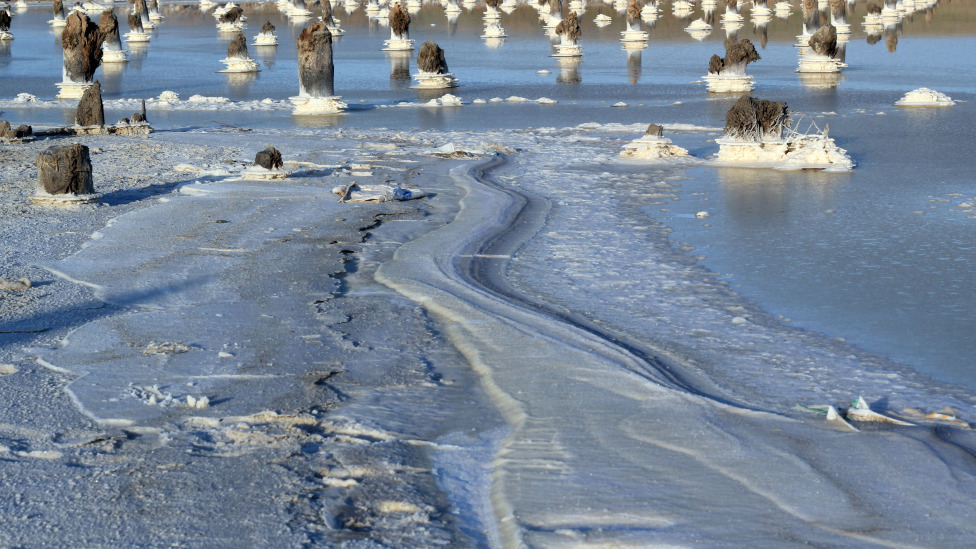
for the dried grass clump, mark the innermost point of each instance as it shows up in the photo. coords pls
(399, 20)
(756, 119)
(237, 47)
(569, 27)
(431, 58)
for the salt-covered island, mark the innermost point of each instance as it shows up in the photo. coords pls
(341, 328)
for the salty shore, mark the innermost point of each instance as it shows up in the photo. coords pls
(521, 358)
(257, 295)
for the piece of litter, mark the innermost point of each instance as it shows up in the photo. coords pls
(15, 285)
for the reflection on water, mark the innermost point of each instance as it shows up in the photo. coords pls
(239, 84)
(112, 78)
(265, 55)
(569, 70)
(634, 51)
(399, 69)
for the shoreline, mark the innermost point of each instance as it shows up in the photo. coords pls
(402, 423)
(328, 460)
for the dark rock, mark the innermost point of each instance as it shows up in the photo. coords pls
(140, 117)
(654, 130)
(315, 69)
(740, 52)
(91, 111)
(23, 130)
(715, 64)
(824, 41)
(431, 58)
(65, 169)
(269, 159)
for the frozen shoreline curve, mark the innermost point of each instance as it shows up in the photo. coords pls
(599, 453)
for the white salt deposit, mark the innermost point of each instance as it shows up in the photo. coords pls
(924, 97)
(652, 148)
(434, 81)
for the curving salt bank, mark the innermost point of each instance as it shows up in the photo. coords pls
(585, 413)
(924, 97)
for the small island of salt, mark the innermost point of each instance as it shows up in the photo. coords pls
(924, 97)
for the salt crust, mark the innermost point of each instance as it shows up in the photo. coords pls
(652, 148)
(924, 97)
(307, 105)
(434, 81)
(395, 44)
(114, 56)
(800, 152)
(728, 83)
(238, 65)
(265, 39)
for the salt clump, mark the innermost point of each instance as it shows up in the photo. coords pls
(267, 36)
(652, 145)
(924, 97)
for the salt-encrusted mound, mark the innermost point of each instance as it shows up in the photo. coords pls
(924, 97)
(652, 146)
(761, 134)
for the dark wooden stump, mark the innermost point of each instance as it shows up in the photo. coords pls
(91, 111)
(269, 159)
(65, 170)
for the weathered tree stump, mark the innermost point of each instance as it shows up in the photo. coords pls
(91, 111)
(9, 134)
(269, 159)
(315, 68)
(64, 171)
